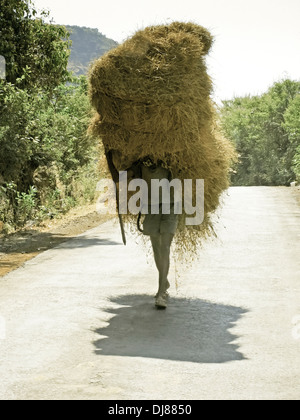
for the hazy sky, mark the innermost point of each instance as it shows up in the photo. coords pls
(257, 42)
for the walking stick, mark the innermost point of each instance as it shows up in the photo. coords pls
(115, 176)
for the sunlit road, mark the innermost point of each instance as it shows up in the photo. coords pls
(78, 321)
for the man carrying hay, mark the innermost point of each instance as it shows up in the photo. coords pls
(152, 98)
(160, 226)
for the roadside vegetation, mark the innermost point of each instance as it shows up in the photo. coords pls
(266, 132)
(48, 162)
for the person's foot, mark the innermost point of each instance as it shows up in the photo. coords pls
(165, 295)
(161, 301)
(164, 291)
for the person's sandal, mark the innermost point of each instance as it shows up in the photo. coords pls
(161, 301)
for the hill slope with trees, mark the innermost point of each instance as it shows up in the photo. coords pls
(87, 45)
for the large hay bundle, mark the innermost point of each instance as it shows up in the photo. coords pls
(152, 97)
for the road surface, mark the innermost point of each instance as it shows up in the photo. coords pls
(78, 321)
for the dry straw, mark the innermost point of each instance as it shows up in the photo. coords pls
(152, 98)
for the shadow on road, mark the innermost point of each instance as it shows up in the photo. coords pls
(87, 242)
(18, 248)
(26, 242)
(190, 330)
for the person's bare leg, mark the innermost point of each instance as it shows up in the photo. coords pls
(156, 245)
(161, 245)
(165, 250)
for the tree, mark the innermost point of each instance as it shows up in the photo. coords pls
(43, 121)
(276, 136)
(292, 127)
(265, 130)
(242, 122)
(43, 136)
(36, 53)
(292, 120)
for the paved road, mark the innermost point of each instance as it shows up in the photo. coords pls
(80, 321)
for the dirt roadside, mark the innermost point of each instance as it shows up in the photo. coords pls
(19, 247)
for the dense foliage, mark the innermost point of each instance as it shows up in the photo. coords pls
(47, 160)
(266, 132)
(44, 149)
(35, 52)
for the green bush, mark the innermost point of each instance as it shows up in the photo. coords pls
(36, 52)
(296, 164)
(266, 132)
(45, 151)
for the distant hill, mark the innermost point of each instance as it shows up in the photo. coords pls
(87, 45)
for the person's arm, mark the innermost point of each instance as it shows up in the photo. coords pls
(135, 171)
